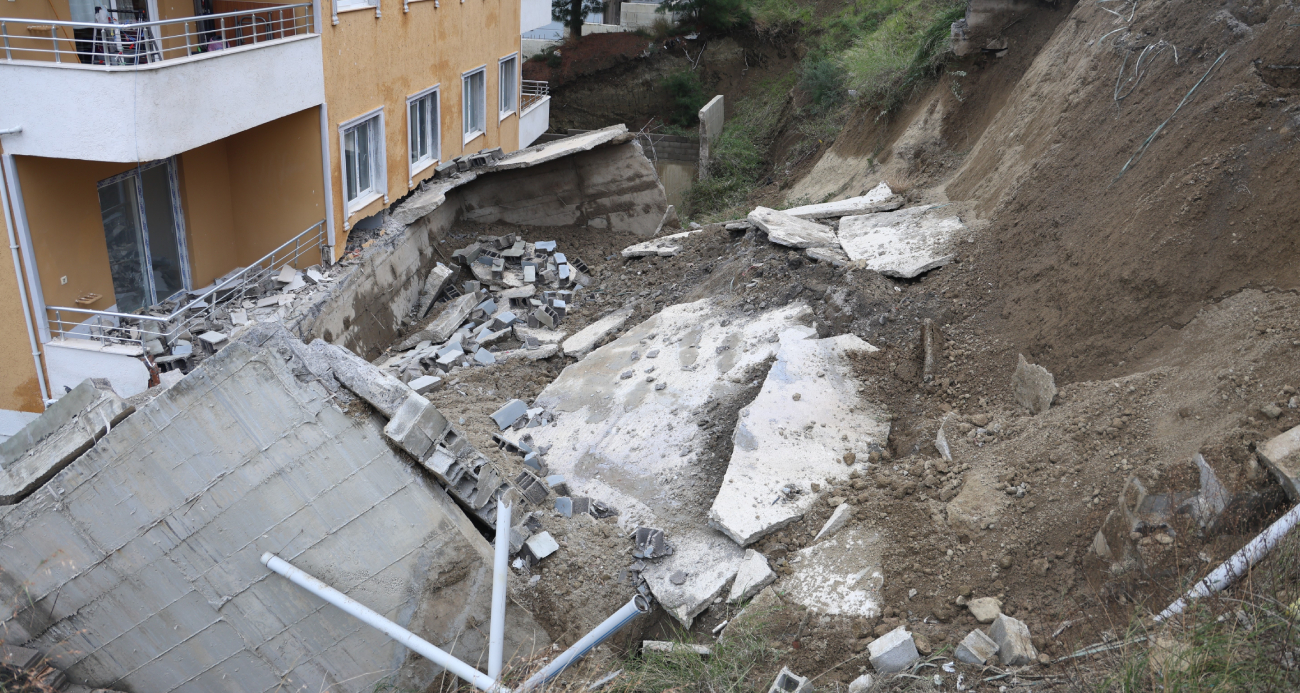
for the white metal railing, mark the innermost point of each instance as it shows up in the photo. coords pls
(130, 43)
(533, 91)
(168, 319)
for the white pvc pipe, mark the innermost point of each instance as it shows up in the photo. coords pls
(1235, 567)
(403, 636)
(11, 131)
(22, 289)
(639, 605)
(500, 574)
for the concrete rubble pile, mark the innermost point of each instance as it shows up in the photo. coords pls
(519, 298)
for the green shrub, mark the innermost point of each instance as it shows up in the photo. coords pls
(778, 16)
(823, 81)
(687, 94)
(907, 49)
(718, 15)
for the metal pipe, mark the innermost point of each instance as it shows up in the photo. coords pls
(500, 575)
(11, 131)
(368, 616)
(639, 605)
(22, 291)
(1235, 567)
(327, 179)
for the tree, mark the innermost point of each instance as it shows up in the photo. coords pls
(573, 12)
(718, 15)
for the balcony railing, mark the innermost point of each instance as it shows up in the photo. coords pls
(164, 322)
(131, 43)
(533, 91)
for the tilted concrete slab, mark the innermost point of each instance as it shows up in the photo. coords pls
(878, 199)
(440, 329)
(795, 434)
(783, 229)
(139, 562)
(663, 246)
(840, 576)
(903, 243)
(559, 148)
(638, 449)
(586, 339)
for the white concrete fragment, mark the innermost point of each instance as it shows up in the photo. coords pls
(753, 576)
(587, 338)
(287, 274)
(441, 328)
(840, 576)
(878, 199)
(544, 351)
(895, 651)
(863, 683)
(425, 383)
(795, 434)
(835, 522)
(664, 246)
(541, 334)
(1282, 455)
(941, 439)
(666, 647)
(1015, 647)
(900, 244)
(783, 229)
(976, 648)
(834, 256)
(542, 545)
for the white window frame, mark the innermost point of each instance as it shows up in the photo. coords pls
(379, 155)
(467, 134)
(435, 150)
(340, 6)
(501, 88)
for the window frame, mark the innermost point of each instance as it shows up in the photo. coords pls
(378, 157)
(435, 149)
(514, 97)
(467, 134)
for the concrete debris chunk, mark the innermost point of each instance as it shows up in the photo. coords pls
(668, 647)
(783, 229)
(861, 684)
(753, 576)
(893, 652)
(1282, 456)
(586, 339)
(532, 488)
(484, 357)
(425, 384)
(438, 279)
(213, 341)
(1015, 646)
(650, 543)
(835, 522)
(564, 506)
(976, 648)
(557, 484)
(985, 609)
(900, 244)
(832, 256)
(941, 439)
(841, 575)
(287, 274)
(541, 545)
(789, 682)
(417, 427)
(663, 246)
(440, 329)
(878, 199)
(509, 413)
(1033, 387)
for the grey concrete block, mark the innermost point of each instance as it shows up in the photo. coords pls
(789, 682)
(542, 545)
(417, 426)
(976, 648)
(1015, 646)
(509, 413)
(894, 651)
(564, 506)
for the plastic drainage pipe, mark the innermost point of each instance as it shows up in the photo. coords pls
(1235, 567)
(354, 608)
(500, 568)
(639, 605)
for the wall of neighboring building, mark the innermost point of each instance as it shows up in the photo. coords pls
(372, 62)
(19, 388)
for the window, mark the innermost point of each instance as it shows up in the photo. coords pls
(364, 170)
(509, 85)
(474, 103)
(422, 129)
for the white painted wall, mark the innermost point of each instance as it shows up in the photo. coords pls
(534, 122)
(530, 47)
(125, 114)
(642, 15)
(69, 365)
(533, 14)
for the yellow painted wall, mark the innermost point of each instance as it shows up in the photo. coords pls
(372, 62)
(37, 10)
(204, 177)
(19, 387)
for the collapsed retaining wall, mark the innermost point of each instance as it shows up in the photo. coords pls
(600, 179)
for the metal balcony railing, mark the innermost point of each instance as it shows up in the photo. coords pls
(168, 319)
(533, 91)
(116, 43)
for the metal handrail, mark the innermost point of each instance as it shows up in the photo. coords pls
(532, 91)
(142, 43)
(196, 308)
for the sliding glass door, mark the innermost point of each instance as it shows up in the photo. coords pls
(145, 232)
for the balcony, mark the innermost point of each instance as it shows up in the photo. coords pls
(138, 91)
(535, 113)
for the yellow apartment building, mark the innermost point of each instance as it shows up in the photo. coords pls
(149, 148)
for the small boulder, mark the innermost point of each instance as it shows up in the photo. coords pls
(1033, 387)
(985, 609)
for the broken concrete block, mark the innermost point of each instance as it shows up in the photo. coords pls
(1033, 386)
(239, 317)
(976, 648)
(663, 246)
(770, 475)
(532, 488)
(484, 357)
(753, 576)
(900, 244)
(425, 384)
(441, 328)
(544, 246)
(985, 609)
(438, 279)
(861, 684)
(556, 483)
(893, 652)
(835, 522)
(1015, 646)
(61, 434)
(586, 339)
(833, 256)
(667, 647)
(789, 682)
(153, 347)
(417, 427)
(540, 334)
(564, 506)
(213, 341)
(941, 439)
(650, 543)
(545, 315)
(783, 229)
(879, 199)
(1282, 456)
(287, 274)
(315, 276)
(542, 545)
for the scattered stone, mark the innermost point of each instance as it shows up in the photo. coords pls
(835, 522)
(894, 651)
(783, 229)
(1033, 386)
(833, 256)
(976, 648)
(788, 682)
(753, 576)
(214, 341)
(1271, 410)
(484, 357)
(509, 413)
(985, 609)
(1015, 646)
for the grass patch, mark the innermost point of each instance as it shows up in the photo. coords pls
(905, 51)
